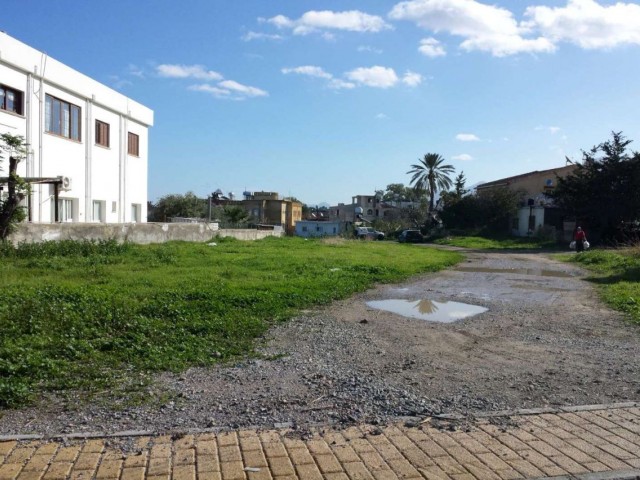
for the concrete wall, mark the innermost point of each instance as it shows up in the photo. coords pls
(142, 233)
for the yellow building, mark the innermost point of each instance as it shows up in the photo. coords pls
(266, 208)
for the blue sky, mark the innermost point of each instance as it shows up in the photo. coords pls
(323, 100)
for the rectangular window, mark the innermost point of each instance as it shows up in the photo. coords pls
(98, 211)
(10, 100)
(65, 210)
(102, 133)
(62, 118)
(135, 213)
(133, 144)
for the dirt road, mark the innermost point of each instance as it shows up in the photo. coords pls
(545, 340)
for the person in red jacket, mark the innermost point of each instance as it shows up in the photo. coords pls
(580, 237)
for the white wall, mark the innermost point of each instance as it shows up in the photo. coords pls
(97, 173)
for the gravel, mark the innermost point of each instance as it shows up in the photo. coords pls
(544, 341)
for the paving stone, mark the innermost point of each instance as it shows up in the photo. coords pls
(345, 454)
(596, 467)
(38, 463)
(133, 473)
(616, 451)
(86, 461)
(137, 460)
(281, 466)
(230, 453)
(358, 471)
(232, 471)
(207, 463)
(388, 451)
(227, 439)
(328, 463)
(20, 454)
(58, 471)
(47, 449)
(109, 469)
(569, 465)
(184, 472)
(308, 471)
(255, 458)
(336, 476)
(274, 450)
(9, 471)
(184, 443)
(30, 475)
(207, 447)
(318, 447)
(403, 468)
(159, 466)
(384, 475)
(6, 447)
(262, 474)
(361, 445)
(526, 468)
(93, 446)
(299, 456)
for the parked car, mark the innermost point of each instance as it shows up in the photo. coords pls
(368, 233)
(410, 236)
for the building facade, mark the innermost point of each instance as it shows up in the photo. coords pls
(537, 210)
(268, 208)
(319, 228)
(87, 145)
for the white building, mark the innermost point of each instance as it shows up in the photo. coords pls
(315, 228)
(79, 130)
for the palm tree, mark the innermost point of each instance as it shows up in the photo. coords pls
(431, 176)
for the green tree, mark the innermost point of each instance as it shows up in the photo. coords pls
(458, 185)
(177, 205)
(431, 175)
(602, 192)
(397, 192)
(235, 214)
(11, 212)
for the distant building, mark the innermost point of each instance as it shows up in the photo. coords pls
(87, 144)
(372, 207)
(267, 208)
(537, 210)
(319, 228)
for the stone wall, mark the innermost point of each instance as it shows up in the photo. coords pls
(141, 233)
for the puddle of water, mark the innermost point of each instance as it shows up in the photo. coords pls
(445, 312)
(521, 271)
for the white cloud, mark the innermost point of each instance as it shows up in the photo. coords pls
(463, 157)
(309, 70)
(431, 48)
(483, 27)
(551, 130)
(381, 116)
(377, 76)
(249, 36)
(467, 137)
(229, 89)
(135, 71)
(338, 84)
(587, 23)
(187, 71)
(243, 89)
(216, 91)
(314, 21)
(412, 79)
(367, 48)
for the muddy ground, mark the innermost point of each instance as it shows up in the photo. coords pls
(545, 340)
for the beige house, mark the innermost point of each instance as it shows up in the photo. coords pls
(537, 211)
(369, 207)
(267, 208)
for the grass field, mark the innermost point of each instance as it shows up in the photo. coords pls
(89, 316)
(617, 275)
(484, 243)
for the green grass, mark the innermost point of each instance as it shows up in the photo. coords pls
(617, 274)
(96, 316)
(485, 243)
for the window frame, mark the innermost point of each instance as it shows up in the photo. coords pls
(133, 144)
(17, 101)
(69, 122)
(103, 134)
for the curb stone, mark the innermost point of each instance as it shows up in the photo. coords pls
(414, 420)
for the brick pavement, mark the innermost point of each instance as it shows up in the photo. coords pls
(587, 442)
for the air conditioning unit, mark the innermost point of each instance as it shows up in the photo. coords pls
(66, 183)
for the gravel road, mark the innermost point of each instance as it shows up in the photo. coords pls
(545, 340)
